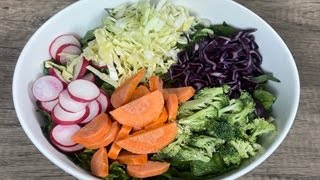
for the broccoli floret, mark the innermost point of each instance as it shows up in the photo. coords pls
(244, 148)
(222, 130)
(233, 107)
(214, 166)
(265, 98)
(206, 142)
(190, 153)
(241, 117)
(210, 93)
(200, 120)
(190, 107)
(229, 155)
(258, 127)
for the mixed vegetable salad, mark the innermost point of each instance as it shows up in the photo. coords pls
(155, 92)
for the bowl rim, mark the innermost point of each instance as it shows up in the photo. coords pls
(235, 175)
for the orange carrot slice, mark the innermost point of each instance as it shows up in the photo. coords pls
(129, 158)
(161, 119)
(139, 92)
(94, 130)
(124, 92)
(155, 83)
(99, 163)
(115, 149)
(140, 112)
(172, 104)
(149, 140)
(107, 139)
(150, 169)
(183, 93)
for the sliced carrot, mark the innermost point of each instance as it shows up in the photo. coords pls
(161, 119)
(99, 163)
(129, 158)
(150, 169)
(94, 130)
(172, 104)
(149, 140)
(124, 92)
(136, 129)
(139, 92)
(115, 149)
(140, 112)
(155, 83)
(183, 93)
(107, 139)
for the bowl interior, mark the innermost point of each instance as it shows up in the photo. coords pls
(85, 15)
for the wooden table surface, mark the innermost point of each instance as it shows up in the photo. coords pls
(297, 22)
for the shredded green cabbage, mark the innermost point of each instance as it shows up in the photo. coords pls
(138, 36)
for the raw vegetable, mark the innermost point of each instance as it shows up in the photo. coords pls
(129, 41)
(115, 149)
(183, 93)
(95, 109)
(83, 91)
(107, 139)
(94, 130)
(63, 40)
(48, 105)
(216, 61)
(150, 140)
(89, 77)
(172, 105)
(80, 69)
(47, 88)
(129, 158)
(215, 133)
(104, 101)
(56, 73)
(265, 98)
(63, 117)
(161, 120)
(150, 169)
(70, 105)
(123, 93)
(155, 83)
(66, 52)
(140, 112)
(117, 172)
(139, 92)
(99, 163)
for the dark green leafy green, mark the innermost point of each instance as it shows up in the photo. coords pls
(107, 88)
(48, 123)
(265, 98)
(83, 159)
(264, 78)
(117, 172)
(87, 38)
(214, 166)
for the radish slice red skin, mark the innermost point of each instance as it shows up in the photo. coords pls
(62, 40)
(47, 88)
(72, 149)
(69, 104)
(48, 105)
(104, 101)
(61, 135)
(89, 77)
(83, 91)
(80, 69)
(67, 48)
(74, 118)
(95, 109)
(56, 73)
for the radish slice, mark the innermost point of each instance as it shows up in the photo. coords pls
(72, 149)
(80, 69)
(61, 135)
(60, 116)
(99, 65)
(89, 77)
(95, 109)
(104, 101)
(47, 88)
(56, 73)
(48, 105)
(60, 41)
(83, 90)
(69, 104)
(68, 49)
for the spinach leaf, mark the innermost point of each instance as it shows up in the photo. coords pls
(83, 159)
(117, 172)
(223, 29)
(107, 88)
(264, 78)
(87, 38)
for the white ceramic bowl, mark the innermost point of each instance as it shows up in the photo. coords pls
(86, 14)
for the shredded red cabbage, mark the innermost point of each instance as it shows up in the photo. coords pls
(216, 61)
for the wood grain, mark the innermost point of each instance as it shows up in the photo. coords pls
(298, 23)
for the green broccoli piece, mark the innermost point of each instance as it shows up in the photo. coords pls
(190, 107)
(258, 127)
(206, 142)
(233, 107)
(244, 148)
(229, 155)
(200, 120)
(214, 166)
(241, 117)
(210, 93)
(191, 153)
(265, 98)
(222, 130)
